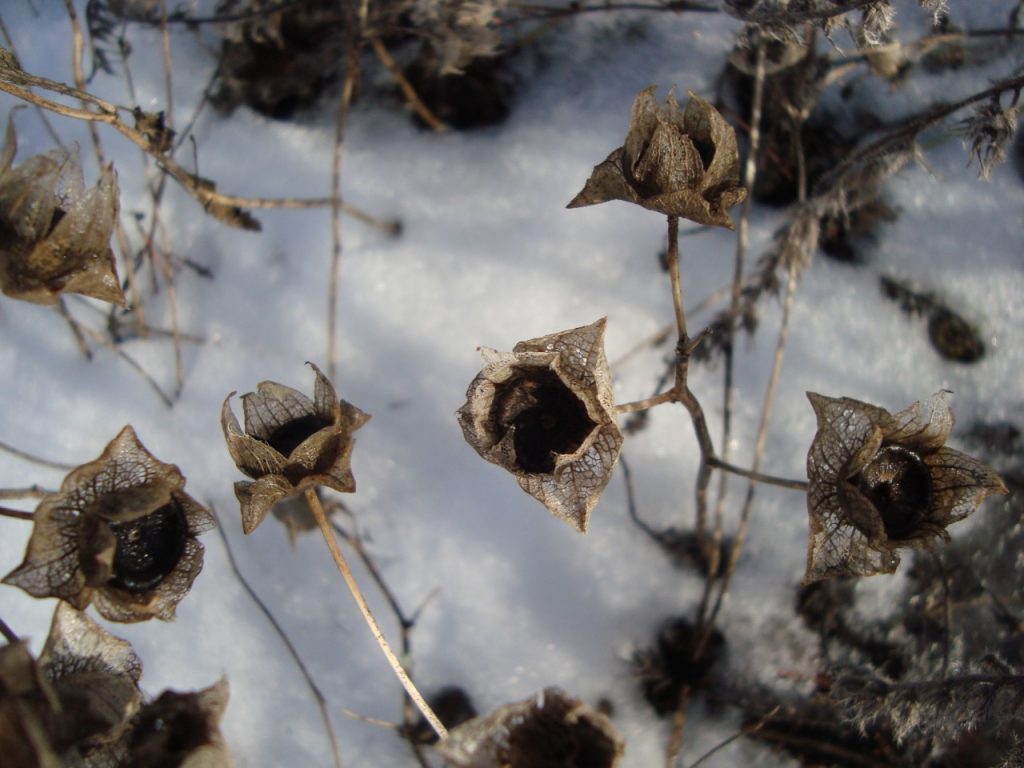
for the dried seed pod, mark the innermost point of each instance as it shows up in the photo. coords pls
(677, 162)
(55, 235)
(75, 704)
(550, 730)
(27, 705)
(880, 482)
(544, 413)
(122, 532)
(181, 730)
(290, 444)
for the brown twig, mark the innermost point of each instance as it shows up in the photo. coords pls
(408, 91)
(34, 459)
(8, 633)
(31, 492)
(357, 595)
(202, 190)
(745, 731)
(321, 700)
(17, 514)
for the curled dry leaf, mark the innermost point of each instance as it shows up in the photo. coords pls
(55, 235)
(550, 730)
(75, 704)
(290, 444)
(544, 413)
(677, 162)
(881, 482)
(181, 730)
(122, 532)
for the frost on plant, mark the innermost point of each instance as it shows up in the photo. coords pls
(290, 444)
(55, 235)
(544, 413)
(550, 730)
(677, 162)
(122, 532)
(880, 482)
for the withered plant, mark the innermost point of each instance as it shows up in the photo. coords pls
(913, 688)
(121, 532)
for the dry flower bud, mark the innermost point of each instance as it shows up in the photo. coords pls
(181, 730)
(880, 482)
(544, 413)
(122, 532)
(290, 444)
(550, 730)
(55, 235)
(677, 162)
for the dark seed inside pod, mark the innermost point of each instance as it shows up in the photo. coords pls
(547, 418)
(290, 435)
(899, 485)
(148, 548)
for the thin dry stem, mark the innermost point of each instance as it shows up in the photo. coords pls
(17, 514)
(675, 740)
(83, 345)
(408, 91)
(9, 635)
(648, 402)
(742, 244)
(34, 459)
(31, 492)
(321, 700)
(760, 477)
(357, 595)
(335, 264)
(745, 731)
(200, 189)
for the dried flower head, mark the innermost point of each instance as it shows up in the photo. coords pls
(880, 482)
(544, 413)
(550, 730)
(677, 162)
(181, 730)
(988, 132)
(55, 235)
(76, 703)
(122, 532)
(290, 444)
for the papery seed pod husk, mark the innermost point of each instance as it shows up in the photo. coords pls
(290, 444)
(121, 532)
(73, 706)
(27, 704)
(881, 482)
(55, 235)
(549, 730)
(544, 412)
(182, 730)
(673, 161)
(95, 676)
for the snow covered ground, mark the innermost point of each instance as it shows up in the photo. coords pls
(511, 599)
